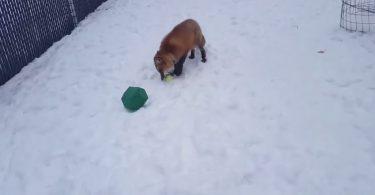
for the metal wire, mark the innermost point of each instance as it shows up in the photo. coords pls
(358, 15)
(29, 28)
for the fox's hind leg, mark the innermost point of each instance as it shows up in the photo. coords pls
(203, 52)
(192, 54)
(179, 65)
(201, 48)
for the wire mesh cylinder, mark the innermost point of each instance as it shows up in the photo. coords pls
(358, 15)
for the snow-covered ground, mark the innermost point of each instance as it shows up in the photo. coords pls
(267, 114)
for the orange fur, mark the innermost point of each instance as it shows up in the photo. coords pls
(183, 38)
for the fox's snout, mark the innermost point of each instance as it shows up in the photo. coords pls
(162, 76)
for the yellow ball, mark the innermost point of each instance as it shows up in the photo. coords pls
(168, 78)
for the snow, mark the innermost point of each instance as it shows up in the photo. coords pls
(267, 114)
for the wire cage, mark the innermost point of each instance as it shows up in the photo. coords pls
(358, 15)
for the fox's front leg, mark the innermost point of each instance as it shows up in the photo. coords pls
(179, 65)
(192, 54)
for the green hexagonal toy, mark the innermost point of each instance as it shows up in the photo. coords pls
(134, 98)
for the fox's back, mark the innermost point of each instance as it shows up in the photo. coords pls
(183, 36)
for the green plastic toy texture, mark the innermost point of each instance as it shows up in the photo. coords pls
(134, 98)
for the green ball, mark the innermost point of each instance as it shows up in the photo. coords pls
(134, 98)
(168, 78)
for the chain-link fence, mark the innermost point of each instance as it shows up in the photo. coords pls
(29, 28)
(358, 15)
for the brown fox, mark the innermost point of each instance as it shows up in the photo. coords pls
(176, 45)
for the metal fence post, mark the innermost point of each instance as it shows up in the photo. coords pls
(73, 12)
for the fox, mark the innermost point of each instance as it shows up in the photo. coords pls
(175, 46)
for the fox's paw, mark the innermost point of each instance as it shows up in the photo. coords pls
(204, 60)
